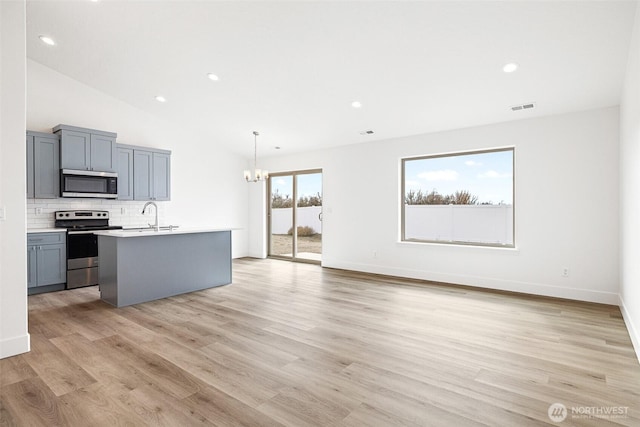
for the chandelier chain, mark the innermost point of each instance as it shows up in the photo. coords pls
(255, 149)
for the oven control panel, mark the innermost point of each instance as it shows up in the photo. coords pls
(82, 215)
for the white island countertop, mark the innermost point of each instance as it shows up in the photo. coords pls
(150, 232)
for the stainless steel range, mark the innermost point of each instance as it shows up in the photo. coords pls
(82, 244)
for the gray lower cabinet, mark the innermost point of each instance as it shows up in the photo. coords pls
(87, 149)
(46, 261)
(125, 173)
(32, 265)
(43, 165)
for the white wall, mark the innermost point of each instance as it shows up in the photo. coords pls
(568, 162)
(257, 219)
(630, 191)
(207, 186)
(14, 338)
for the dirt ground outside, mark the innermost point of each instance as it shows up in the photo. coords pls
(281, 244)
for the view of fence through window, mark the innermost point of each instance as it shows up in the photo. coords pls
(459, 198)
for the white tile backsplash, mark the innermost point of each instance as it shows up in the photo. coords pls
(132, 217)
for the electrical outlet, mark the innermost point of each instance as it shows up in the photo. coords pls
(123, 211)
(565, 272)
(38, 211)
(375, 254)
(3, 213)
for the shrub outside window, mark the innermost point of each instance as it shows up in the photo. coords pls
(459, 198)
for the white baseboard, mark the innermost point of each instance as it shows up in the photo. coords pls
(255, 254)
(634, 332)
(482, 282)
(13, 346)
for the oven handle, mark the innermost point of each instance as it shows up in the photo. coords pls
(82, 232)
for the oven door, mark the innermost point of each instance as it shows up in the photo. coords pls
(82, 259)
(81, 245)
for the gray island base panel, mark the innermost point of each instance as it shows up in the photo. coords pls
(140, 268)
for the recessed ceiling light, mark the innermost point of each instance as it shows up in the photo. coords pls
(161, 98)
(356, 104)
(510, 67)
(213, 77)
(47, 40)
(277, 147)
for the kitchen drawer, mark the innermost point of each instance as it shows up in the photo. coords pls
(46, 238)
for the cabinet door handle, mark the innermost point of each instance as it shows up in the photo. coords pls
(35, 240)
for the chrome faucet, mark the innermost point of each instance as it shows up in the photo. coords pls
(155, 226)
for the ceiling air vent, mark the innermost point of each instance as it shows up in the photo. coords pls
(527, 106)
(366, 132)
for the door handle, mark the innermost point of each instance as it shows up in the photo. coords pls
(320, 216)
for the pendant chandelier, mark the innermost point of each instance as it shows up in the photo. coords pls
(258, 174)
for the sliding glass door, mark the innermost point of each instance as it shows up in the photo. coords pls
(295, 215)
(281, 216)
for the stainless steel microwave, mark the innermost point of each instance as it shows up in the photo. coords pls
(78, 183)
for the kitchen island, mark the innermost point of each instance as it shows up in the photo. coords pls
(143, 265)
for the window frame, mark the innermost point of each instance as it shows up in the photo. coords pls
(403, 161)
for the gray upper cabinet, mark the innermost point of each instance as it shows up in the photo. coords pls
(75, 150)
(142, 172)
(30, 161)
(151, 174)
(125, 173)
(161, 176)
(87, 149)
(103, 153)
(43, 165)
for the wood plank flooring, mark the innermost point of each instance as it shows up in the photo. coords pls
(297, 345)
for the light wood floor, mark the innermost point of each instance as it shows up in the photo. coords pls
(298, 345)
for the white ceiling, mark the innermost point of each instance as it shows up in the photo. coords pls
(291, 69)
